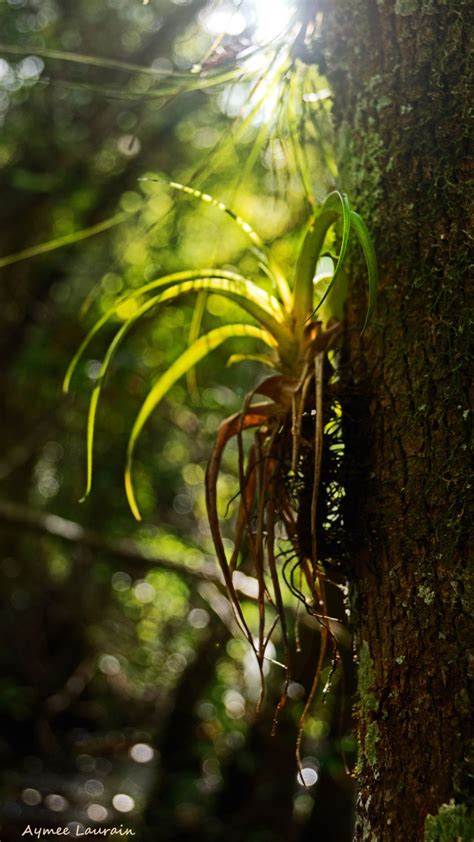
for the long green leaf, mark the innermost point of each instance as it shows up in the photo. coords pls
(185, 81)
(334, 206)
(365, 240)
(265, 309)
(273, 271)
(216, 285)
(262, 306)
(194, 333)
(295, 120)
(201, 348)
(263, 359)
(66, 240)
(345, 212)
(241, 124)
(216, 203)
(89, 60)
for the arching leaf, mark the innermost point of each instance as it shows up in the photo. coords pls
(257, 302)
(201, 348)
(365, 240)
(66, 240)
(336, 205)
(271, 268)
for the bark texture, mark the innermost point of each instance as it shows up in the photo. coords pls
(401, 92)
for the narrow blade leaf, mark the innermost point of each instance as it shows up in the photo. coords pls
(217, 285)
(365, 240)
(336, 205)
(256, 299)
(272, 270)
(201, 348)
(67, 240)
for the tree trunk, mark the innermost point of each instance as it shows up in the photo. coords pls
(400, 80)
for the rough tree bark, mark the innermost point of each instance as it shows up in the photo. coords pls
(400, 79)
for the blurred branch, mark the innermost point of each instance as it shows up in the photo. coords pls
(68, 530)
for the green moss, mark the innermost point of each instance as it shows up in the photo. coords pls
(406, 7)
(365, 166)
(368, 705)
(452, 824)
(365, 684)
(371, 740)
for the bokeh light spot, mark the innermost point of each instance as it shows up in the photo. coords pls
(123, 803)
(56, 803)
(141, 753)
(97, 812)
(31, 797)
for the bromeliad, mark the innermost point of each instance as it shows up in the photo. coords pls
(296, 345)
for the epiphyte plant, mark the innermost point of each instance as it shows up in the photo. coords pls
(286, 323)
